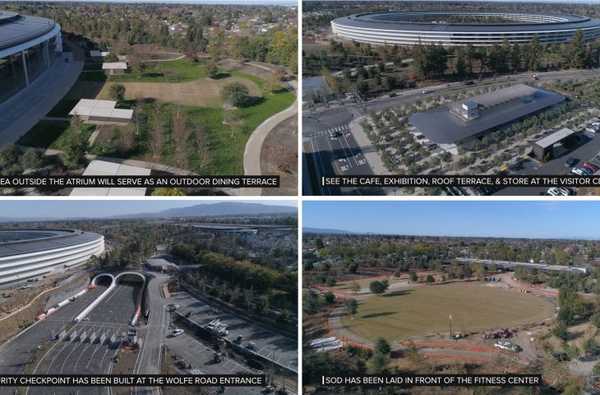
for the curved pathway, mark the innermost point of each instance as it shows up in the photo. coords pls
(252, 163)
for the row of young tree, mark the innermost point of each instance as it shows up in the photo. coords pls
(434, 61)
(237, 273)
(461, 62)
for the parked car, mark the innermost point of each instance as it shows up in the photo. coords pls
(571, 162)
(591, 167)
(176, 332)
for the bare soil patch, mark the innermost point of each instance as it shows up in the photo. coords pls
(279, 156)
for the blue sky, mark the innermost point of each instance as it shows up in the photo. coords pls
(548, 219)
(103, 208)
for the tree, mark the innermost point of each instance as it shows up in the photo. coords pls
(382, 346)
(591, 348)
(413, 277)
(351, 306)
(378, 362)
(595, 319)
(32, 159)
(236, 94)
(212, 69)
(329, 298)
(461, 63)
(378, 287)
(577, 52)
(168, 192)
(534, 54)
(74, 152)
(117, 92)
(354, 287)
(430, 279)
(560, 331)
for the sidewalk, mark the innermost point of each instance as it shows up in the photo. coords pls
(367, 148)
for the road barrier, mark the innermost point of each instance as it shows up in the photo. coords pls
(96, 302)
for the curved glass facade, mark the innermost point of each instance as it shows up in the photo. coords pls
(21, 69)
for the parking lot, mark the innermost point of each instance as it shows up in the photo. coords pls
(271, 345)
(201, 361)
(555, 166)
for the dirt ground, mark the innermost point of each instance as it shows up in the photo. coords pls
(205, 92)
(279, 156)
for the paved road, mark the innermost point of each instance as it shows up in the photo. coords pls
(320, 157)
(153, 334)
(331, 148)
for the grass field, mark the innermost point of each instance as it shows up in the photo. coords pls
(176, 71)
(425, 310)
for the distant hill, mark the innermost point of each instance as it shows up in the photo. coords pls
(198, 210)
(225, 208)
(326, 231)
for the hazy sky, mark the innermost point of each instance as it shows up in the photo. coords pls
(237, 2)
(557, 219)
(102, 208)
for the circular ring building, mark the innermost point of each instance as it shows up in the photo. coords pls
(462, 28)
(33, 252)
(28, 47)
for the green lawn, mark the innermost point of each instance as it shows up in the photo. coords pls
(181, 70)
(258, 81)
(426, 310)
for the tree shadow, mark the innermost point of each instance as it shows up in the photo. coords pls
(398, 293)
(221, 75)
(382, 314)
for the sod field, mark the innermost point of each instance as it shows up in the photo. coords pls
(425, 310)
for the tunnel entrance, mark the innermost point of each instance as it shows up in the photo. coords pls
(103, 279)
(131, 278)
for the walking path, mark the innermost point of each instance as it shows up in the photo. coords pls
(252, 152)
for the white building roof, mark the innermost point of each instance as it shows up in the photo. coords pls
(555, 137)
(99, 54)
(114, 66)
(104, 168)
(100, 108)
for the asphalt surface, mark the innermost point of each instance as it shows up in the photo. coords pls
(153, 334)
(274, 346)
(90, 345)
(330, 148)
(17, 352)
(320, 156)
(200, 357)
